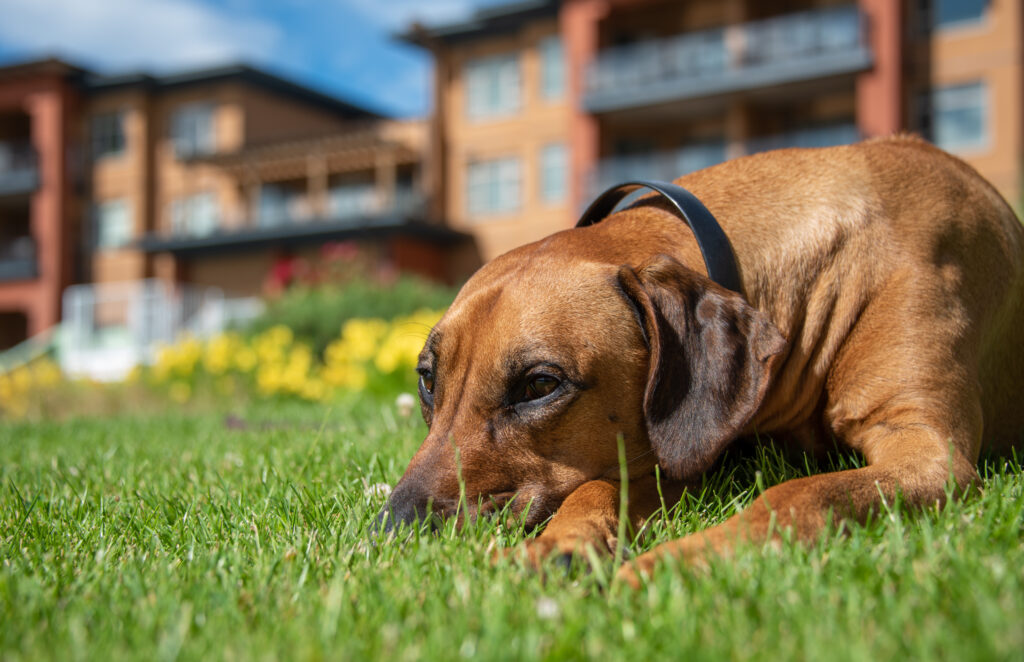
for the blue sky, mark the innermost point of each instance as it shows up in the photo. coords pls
(341, 47)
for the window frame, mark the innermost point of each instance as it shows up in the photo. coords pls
(200, 140)
(553, 155)
(499, 198)
(932, 110)
(552, 46)
(932, 17)
(108, 125)
(185, 219)
(123, 229)
(482, 73)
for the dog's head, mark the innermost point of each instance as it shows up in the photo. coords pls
(543, 361)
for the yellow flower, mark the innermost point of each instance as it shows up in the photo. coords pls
(403, 343)
(314, 389)
(345, 375)
(245, 359)
(360, 338)
(22, 379)
(219, 352)
(45, 373)
(269, 379)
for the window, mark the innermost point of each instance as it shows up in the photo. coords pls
(698, 155)
(192, 130)
(492, 86)
(350, 200)
(958, 117)
(108, 134)
(194, 215)
(281, 204)
(113, 224)
(494, 186)
(948, 13)
(552, 69)
(554, 166)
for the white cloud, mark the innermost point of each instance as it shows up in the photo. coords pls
(156, 35)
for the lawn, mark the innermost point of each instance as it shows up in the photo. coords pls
(196, 536)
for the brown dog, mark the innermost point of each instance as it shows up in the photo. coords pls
(883, 305)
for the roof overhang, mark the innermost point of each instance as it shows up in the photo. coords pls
(306, 233)
(482, 23)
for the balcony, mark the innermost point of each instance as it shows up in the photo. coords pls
(667, 166)
(288, 220)
(19, 172)
(18, 260)
(789, 49)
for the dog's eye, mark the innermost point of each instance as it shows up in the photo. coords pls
(540, 386)
(427, 381)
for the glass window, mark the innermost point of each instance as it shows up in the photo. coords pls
(194, 215)
(493, 186)
(947, 13)
(959, 117)
(698, 155)
(552, 69)
(349, 200)
(492, 86)
(554, 166)
(108, 134)
(192, 130)
(280, 204)
(113, 224)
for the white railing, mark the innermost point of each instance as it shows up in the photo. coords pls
(110, 328)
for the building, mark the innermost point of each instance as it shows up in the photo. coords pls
(541, 104)
(40, 210)
(209, 178)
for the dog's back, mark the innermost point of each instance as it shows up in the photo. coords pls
(844, 229)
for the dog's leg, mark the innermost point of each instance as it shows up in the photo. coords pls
(907, 456)
(590, 516)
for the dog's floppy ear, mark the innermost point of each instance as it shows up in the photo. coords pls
(709, 362)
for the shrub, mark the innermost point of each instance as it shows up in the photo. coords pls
(316, 314)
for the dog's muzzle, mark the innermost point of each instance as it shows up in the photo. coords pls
(409, 505)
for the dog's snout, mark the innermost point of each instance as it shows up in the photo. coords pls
(409, 504)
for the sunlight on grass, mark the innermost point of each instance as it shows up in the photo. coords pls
(172, 537)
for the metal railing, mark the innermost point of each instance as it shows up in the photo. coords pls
(669, 165)
(792, 47)
(19, 167)
(355, 204)
(18, 259)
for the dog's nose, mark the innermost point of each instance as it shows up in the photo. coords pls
(408, 504)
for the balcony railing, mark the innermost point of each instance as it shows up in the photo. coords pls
(790, 48)
(19, 172)
(18, 260)
(356, 206)
(667, 166)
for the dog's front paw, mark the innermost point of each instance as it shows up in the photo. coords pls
(539, 551)
(634, 573)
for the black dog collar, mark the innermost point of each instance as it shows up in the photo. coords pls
(714, 245)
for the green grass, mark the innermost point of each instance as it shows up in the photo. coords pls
(177, 537)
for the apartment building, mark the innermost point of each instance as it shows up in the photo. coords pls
(209, 178)
(501, 124)
(541, 104)
(213, 176)
(40, 215)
